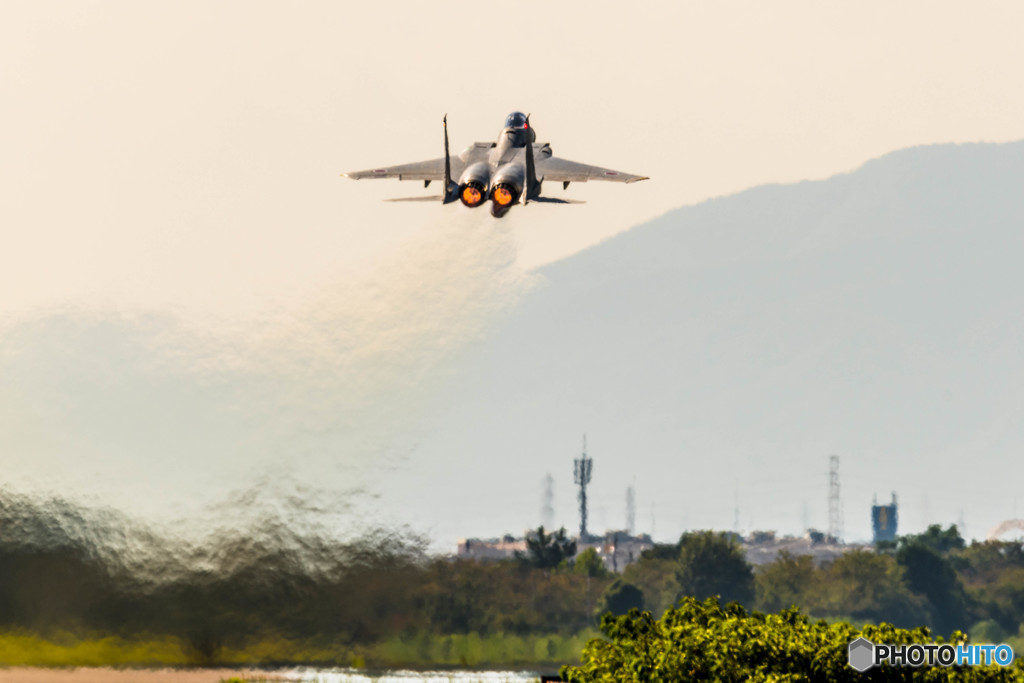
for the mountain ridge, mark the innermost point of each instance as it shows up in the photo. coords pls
(868, 314)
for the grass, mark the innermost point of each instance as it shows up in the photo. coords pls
(472, 650)
(65, 650)
(423, 650)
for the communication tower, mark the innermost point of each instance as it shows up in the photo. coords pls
(631, 509)
(547, 502)
(582, 468)
(736, 507)
(835, 511)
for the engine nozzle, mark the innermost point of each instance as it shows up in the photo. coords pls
(474, 183)
(503, 196)
(508, 185)
(472, 194)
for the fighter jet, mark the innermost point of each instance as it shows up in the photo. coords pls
(506, 172)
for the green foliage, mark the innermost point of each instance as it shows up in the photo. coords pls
(73, 591)
(858, 585)
(703, 641)
(589, 563)
(932, 575)
(620, 597)
(786, 582)
(504, 597)
(656, 578)
(868, 587)
(940, 541)
(714, 564)
(988, 631)
(993, 576)
(1003, 598)
(924, 579)
(547, 551)
(661, 551)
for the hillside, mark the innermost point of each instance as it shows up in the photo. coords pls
(720, 353)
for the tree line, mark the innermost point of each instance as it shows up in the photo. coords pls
(932, 579)
(69, 569)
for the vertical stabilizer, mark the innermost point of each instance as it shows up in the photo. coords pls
(532, 184)
(449, 190)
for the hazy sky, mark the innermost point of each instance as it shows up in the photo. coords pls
(182, 159)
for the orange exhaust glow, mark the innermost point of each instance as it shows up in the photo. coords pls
(502, 196)
(471, 195)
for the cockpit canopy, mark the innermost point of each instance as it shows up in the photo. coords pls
(516, 119)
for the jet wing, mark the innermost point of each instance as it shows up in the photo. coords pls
(421, 170)
(562, 170)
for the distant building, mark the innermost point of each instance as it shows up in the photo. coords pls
(617, 549)
(763, 547)
(503, 548)
(884, 519)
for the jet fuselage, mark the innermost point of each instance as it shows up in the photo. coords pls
(497, 172)
(503, 172)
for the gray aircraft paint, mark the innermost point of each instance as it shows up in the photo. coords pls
(489, 165)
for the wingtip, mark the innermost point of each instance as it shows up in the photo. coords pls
(637, 180)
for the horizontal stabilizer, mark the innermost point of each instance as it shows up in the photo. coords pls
(556, 200)
(428, 198)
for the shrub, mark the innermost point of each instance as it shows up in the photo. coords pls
(703, 641)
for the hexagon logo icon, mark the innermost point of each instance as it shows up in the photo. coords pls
(862, 654)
